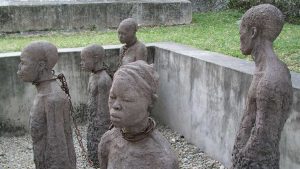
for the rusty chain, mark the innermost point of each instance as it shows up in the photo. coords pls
(122, 54)
(65, 88)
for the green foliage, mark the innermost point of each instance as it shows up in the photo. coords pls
(212, 31)
(290, 8)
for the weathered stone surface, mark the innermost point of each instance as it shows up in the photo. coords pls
(50, 120)
(20, 16)
(92, 59)
(223, 93)
(270, 95)
(133, 142)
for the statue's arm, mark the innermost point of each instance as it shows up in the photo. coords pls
(267, 122)
(103, 88)
(103, 151)
(58, 130)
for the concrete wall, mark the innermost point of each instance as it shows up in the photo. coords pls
(20, 16)
(16, 97)
(201, 95)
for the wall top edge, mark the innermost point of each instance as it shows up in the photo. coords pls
(207, 56)
(6, 3)
(226, 61)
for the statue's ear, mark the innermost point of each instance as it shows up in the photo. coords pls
(253, 32)
(42, 66)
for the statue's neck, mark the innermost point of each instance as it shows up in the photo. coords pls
(98, 68)
(140, 134)
(44, 83)
(131, 43)
(262, 53)
(140, 127)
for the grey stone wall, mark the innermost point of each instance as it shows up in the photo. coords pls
(16, 97)
(201, 95)
(19, 16)
(208, 5)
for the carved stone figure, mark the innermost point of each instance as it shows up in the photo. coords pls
(98, 89)
(133, 49)
(134, 142)
(50, 122)
(270, 94)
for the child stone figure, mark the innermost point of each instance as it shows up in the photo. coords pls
(50, 122)
(134, 142)
(270, 95)
(98, 89)
(133, 49)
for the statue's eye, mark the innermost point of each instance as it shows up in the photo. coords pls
(128, 100)
(112, 97)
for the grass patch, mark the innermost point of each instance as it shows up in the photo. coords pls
(213, 31)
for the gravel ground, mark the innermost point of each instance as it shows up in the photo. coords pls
(16, 152)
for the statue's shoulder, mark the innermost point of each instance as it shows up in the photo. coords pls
(104, 77)
(55, 97)
(140, 45)
(166, 151)
(161, 141)
(108, 137)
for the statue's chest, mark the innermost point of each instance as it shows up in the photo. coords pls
(37, 112)
(133, 156)
(38, 122)
(92, 87)
(92, 93)
(128, 59)
(129, 56)
(254, 86)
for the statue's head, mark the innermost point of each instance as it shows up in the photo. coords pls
(133, 93)
(37, 58)
(263, 22)
(91, 56)
(127, 30)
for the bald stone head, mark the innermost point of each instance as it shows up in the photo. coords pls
(127, 30)
(263, 21)
(91, 57)
(36, 59)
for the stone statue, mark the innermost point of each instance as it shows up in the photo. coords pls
(270, 95)
(50, 122)
(133, 49)
(134, 142)
(98, 88)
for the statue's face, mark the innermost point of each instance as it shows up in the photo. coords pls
(28, 68)
(87, 61)
(246, 40)
(127, 106)
(125, 33)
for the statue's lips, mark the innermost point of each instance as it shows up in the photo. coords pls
(115, 118)
(21, 76)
